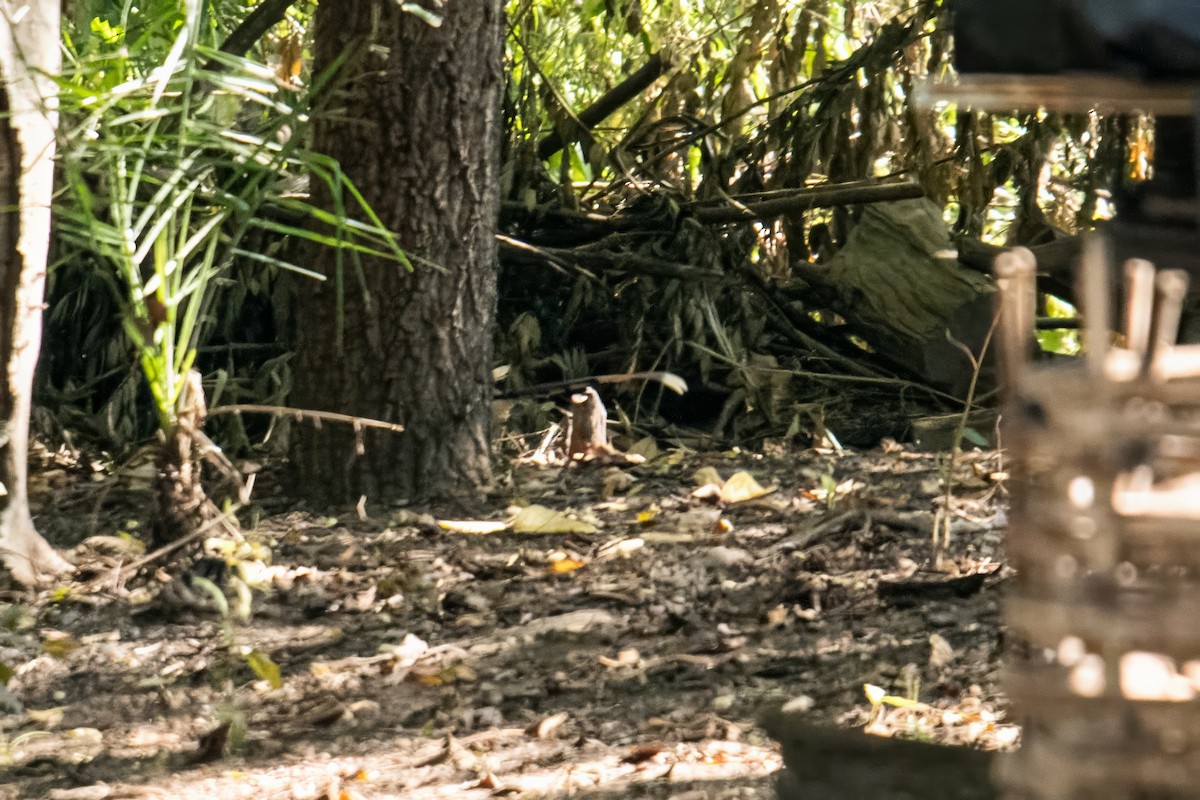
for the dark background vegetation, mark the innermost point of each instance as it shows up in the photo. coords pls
(624, 267)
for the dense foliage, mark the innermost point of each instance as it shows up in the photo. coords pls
(183, 172)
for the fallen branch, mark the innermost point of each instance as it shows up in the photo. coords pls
(267, 15)
(616, 261)
(221, 519)
(669, 380)
(304, 413)
(564, 223)
(745, 209)
(609, 102)
(806, 199)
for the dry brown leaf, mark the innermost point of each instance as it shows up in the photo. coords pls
(539, 519)
(941, 652)
(707, 475)
(615, 481)
(629, 657)
(643, 753)
(488, 781)
(741, 487)
(647, 448)
(57, 644)
(621, 548)
(473, 526)
(777, 616)
(585, 620)
(545, 727)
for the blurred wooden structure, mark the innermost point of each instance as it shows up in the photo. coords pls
(1104, 666)
(1103, 662)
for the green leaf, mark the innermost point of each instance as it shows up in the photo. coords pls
(214, 591)
(975, 437)
(279, 263)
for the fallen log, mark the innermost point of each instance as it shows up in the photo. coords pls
(898, 285)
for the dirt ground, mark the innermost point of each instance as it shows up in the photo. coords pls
(614, 632)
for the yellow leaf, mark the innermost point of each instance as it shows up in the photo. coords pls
(740, 487)
(878, 697)
(424, 678)
(564, 565)
(647, 514)
(539, 519)
(266, 669)
(475, 526)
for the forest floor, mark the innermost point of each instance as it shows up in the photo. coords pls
(625, 647)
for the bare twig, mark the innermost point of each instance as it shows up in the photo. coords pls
(816, 197)
(611, 261)
(942, 520)
(254, 27)
(222, 520)
(306, 413)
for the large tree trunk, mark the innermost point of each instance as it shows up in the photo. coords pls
(418, 132)
(28, 55)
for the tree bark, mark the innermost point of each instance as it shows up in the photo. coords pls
(420, 137)
(29, 54)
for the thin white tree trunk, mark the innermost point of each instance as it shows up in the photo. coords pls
(29, 55)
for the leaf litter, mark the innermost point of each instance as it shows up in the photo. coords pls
(627, 648)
